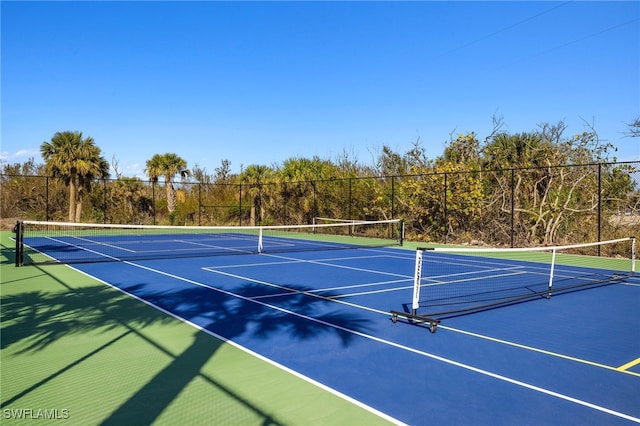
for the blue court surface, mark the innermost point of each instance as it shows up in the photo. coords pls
(325, 315)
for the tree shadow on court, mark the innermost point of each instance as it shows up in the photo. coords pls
(41, 318)
(296, 314)
(38, 319)
(258, 313)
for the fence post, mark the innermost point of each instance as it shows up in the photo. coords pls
(446, 218)
(393, 197)
(153, 196)
(315, 199)
(283, 193)
(104, 201)
(240, 204)
(513, 194)
(46, 184)
(199, 203)
(350, 198)
(599, 205)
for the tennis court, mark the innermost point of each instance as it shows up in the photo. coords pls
(325, 315)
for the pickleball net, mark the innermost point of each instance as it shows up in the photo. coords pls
(450, 281)
(64, 242)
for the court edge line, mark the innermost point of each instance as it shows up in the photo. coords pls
(240, 347)
(383, 341)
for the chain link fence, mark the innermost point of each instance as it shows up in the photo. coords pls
(507, 207)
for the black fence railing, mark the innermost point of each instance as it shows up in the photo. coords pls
(506, 207)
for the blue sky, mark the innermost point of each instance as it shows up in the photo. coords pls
(261, 82)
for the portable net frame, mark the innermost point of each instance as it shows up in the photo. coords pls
(451, 281)
(64, 242)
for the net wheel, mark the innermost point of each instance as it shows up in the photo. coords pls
(394, 318)
(433, 327)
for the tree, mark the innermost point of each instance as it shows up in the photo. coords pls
(167, 166)
(255, 176)
(465, 149)
(98, 170)
(633, 128)
(444, 197)
(23, 190)
(300, 178)
(222, 173)
(77, 162)
(129, 201)
(390, 163)
(551, 203)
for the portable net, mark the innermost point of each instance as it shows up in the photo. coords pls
(451, 281)
(63, 242)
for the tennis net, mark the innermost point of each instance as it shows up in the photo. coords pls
(452, 281)
(64, 242)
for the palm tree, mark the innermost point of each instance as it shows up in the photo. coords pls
(255, 176)
(303, 175)
(167, 165)
(77, 162)
(96, 168)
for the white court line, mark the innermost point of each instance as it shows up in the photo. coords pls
(292, 260)
(81, 248)
(96, 243)
(244, 250)
(339, 296)
(373, 284)
(290, 290)
(324, 262)
(376, 339)
(434, 282)
(321, 262)
(364, 293)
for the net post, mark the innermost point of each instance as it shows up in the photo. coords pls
(553, 265)
(401, 232)
(417, 279)
(633, 255)
(21, 243)
(18, 229)
(260, 249)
